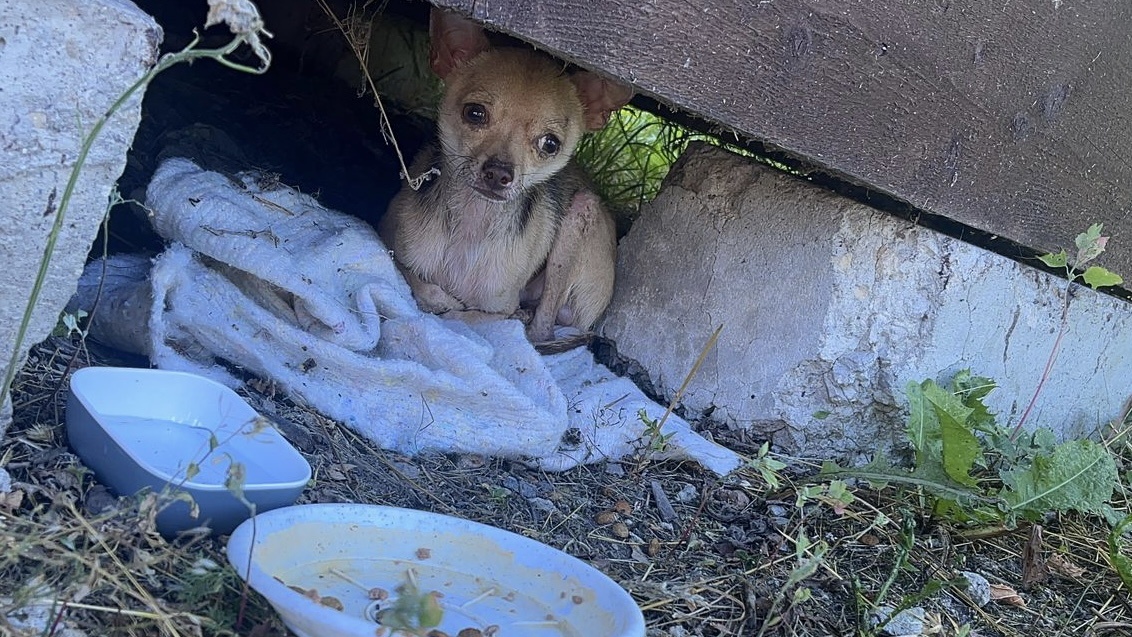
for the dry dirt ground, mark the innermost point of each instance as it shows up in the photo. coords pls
(722, 558)
(729, 556)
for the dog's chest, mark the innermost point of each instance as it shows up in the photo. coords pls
(486, 258)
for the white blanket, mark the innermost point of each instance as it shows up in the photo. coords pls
(262, 277)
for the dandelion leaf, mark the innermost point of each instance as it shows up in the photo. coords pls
(1079, 475)
(959, 447)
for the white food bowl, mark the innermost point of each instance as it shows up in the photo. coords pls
(138, 428)
(485, 576)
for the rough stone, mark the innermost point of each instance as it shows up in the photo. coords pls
(829, 308)
(978, 588)
(62, 64)
(907, 622)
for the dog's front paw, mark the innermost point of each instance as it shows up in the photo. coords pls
(433, 298)
(540, 333)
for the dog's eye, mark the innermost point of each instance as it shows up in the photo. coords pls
(475, 114)
(549, 144)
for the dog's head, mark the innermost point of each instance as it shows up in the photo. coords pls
(510, 117)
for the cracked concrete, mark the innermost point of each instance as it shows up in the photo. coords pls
(62, 64)
(830, 308)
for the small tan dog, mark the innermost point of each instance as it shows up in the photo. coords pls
(509, 220)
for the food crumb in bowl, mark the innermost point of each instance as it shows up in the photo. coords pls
(424, 553)
(378, 593)
(577, 599)
(312, 594)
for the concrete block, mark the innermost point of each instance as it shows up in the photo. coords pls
(62, 64)
(830, 307)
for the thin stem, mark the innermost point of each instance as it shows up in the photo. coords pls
(1049, 361)
(691, 374)
(414, 182)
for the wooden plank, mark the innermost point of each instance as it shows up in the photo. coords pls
(1011, 117)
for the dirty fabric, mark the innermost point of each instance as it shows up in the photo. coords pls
(259, 276)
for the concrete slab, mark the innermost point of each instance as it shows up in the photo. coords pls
(829, 308)
(62, 64)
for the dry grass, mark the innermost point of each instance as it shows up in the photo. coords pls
(79, 558)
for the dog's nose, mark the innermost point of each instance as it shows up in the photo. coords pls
(497, 175)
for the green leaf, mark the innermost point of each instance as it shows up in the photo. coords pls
(923, 426)
(971, 387)
(1044, 440)
(430, 613)
(1089, 237)
(1058, 260)
(830, 467)
(960, 448)
(1120, 562)
(809, 556)
(839, 491)
(1090, 244)
(972, 390)
(1000, 443)
(1097, 277)
(821, 415)
(879, 473)
(1079, 475)
(966, 513)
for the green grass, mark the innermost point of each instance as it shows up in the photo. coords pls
(629, 158)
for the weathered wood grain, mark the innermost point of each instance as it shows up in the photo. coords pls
(1010, 116)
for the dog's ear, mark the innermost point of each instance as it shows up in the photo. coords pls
(453, 40)
(600, 97)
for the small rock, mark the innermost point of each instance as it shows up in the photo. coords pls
(619, 530)
(544, 505)
(5, 481)
(409, 470)
(98, 500)
(906, 622)
(522, 487)
(687, 493)
(638, 555)
(776, 510)
(978, 588)
(614, 469)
